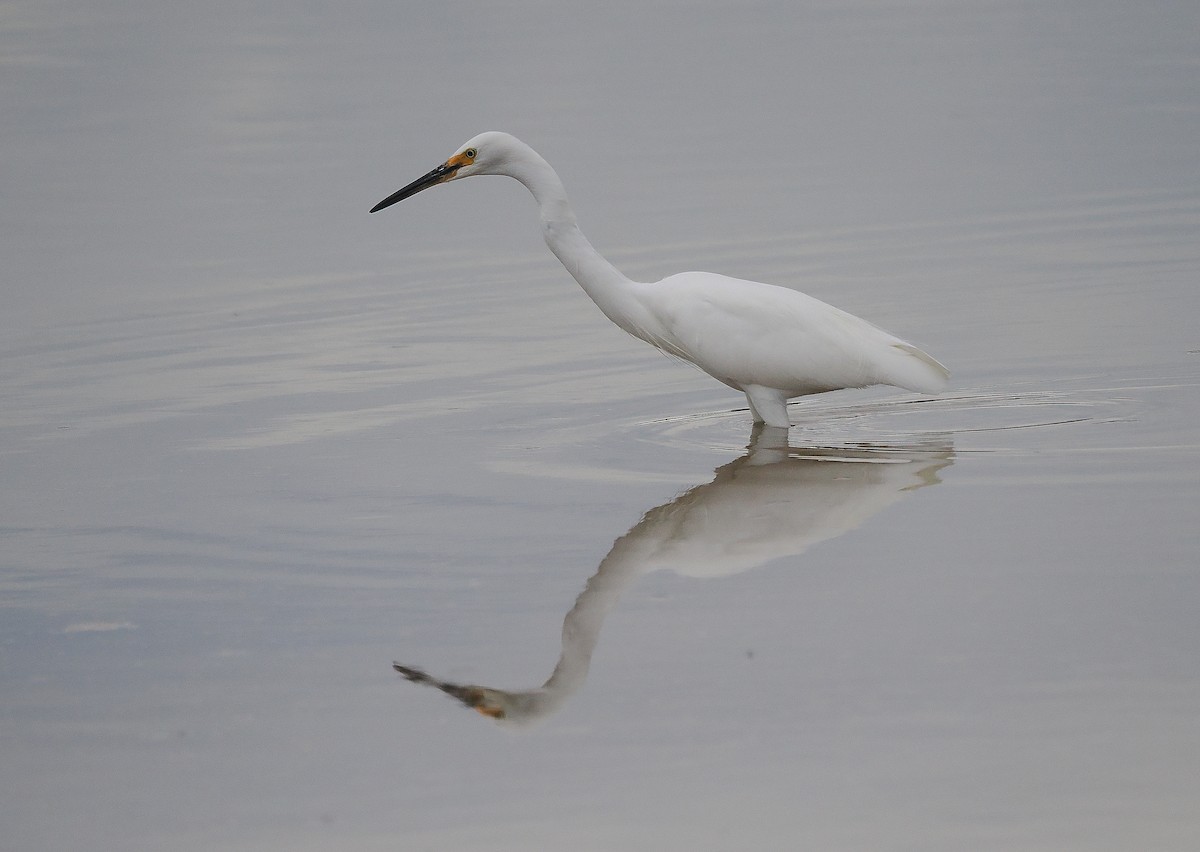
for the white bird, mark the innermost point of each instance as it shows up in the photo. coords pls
(772, 343)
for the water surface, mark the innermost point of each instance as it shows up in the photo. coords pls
(257, 445)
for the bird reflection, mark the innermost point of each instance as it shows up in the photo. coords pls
(776, 500)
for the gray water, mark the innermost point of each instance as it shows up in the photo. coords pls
(257, 445)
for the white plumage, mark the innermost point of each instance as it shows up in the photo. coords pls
(772, 343)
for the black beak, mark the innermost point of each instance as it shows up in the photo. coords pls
(472, 696)
(439, 175)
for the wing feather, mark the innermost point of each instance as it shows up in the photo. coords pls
(747, 333)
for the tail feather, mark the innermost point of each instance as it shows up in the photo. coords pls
(918, 371)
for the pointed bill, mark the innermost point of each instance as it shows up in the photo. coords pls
(446, 171)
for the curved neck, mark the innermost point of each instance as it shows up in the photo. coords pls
(607, 286)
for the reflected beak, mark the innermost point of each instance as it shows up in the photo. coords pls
(475, 697)
(441, 174)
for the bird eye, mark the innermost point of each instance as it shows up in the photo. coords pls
(470, 153)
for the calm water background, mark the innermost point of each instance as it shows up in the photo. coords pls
(255, 444)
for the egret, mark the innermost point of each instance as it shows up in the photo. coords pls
(772, 343)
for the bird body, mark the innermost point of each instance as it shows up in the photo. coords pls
(772, 343)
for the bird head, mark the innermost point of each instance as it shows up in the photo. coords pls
(486, 154)
(505, 707)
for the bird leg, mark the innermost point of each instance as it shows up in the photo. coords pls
(767, 405)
